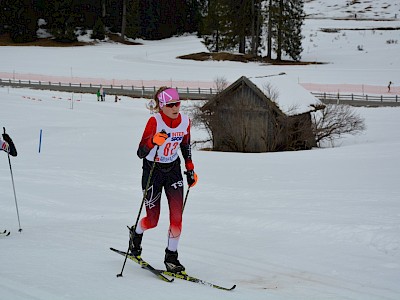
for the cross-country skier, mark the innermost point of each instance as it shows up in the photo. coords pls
(7, 145)
(167, 130)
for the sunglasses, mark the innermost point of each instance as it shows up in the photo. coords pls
(170, 105)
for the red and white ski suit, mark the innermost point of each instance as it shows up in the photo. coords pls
(167, 173)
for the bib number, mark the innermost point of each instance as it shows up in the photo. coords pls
(170, 149)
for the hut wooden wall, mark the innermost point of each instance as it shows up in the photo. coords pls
(300, 135)
(243, 119)
(244, 122)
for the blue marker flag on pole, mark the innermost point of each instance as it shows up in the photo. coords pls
(40, 140)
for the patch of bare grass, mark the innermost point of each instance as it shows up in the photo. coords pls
(244, 58)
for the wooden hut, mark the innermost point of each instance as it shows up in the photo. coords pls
(242, 118)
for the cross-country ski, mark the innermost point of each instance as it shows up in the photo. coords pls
(145, 265)
(5, 233)
(182, 275)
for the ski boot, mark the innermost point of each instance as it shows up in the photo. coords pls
(135, 241)
(172, 263)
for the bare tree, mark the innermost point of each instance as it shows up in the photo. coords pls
(199, 120)
(202, 119)
(334, 121)
(220, 84)
(270, 91)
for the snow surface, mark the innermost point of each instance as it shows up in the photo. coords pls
(318, 224)
(290, 96)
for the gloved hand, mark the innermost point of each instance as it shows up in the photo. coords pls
(159, 138)
(191, 177)
(11, 147)
(7, 138)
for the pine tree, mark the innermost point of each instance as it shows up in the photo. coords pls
(168, 20)
(257, 21)
(285, 19)
(291, 43)
(22, 20)
(233, 25)
(214, 25)
(193, 15)
(111, 14)
(62, 20)
(132, 19)
(240, 20)
(99, 30)
(148, 12)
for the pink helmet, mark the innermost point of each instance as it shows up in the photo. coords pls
(168, 95)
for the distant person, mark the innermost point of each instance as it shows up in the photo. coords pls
(116, 98)
(151, 106)
(101, 93)
(98, 95)
(104, 95)
(390, 83)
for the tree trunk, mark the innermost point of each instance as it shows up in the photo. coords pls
(103, 9)
(253, 24)
(123, 25)
(280, 32)
(242, 44)
(269, 40)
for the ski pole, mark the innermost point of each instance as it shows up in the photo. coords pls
(184, 203)
(141, 205)
(12, 180)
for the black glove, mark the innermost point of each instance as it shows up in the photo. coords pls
(191, 177)
(7, 138)
(12, 150)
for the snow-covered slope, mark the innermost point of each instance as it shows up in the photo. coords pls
(319, 224)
